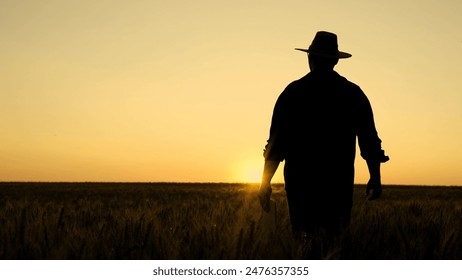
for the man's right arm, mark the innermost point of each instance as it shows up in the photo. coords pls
(375, 181)
(370, 145)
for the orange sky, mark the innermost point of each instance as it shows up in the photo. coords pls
(184, 90)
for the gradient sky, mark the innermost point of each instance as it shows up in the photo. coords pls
(183, 91)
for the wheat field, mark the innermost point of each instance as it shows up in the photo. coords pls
(173, 221)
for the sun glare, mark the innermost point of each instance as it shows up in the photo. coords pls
(250, 171)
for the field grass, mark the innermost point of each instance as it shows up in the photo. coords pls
(215, 221)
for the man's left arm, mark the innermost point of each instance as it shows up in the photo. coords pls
(265, 191)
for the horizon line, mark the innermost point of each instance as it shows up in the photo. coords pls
(197, 182)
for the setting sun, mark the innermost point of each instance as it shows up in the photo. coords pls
(249, 171)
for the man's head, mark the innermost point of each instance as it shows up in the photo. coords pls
(323, 52)
(321, 63)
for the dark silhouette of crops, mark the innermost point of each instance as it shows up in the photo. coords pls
(215, 221)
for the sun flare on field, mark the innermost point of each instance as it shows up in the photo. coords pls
(250, 171)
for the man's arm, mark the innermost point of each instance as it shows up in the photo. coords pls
(375, 183)
(274, 150)
(264, 194)
(370, 145)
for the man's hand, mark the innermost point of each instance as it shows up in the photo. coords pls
(375, 185)
(264, 196)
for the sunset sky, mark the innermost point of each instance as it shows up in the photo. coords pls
(183, 91)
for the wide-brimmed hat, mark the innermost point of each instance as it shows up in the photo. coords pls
(325, 44)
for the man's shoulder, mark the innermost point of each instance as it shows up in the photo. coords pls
(301, 80)
(298, 83)
(311, 80)
(347, 82)
(350, 87)
(334, 78)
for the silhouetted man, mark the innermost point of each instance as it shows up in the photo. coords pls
(314, 127)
